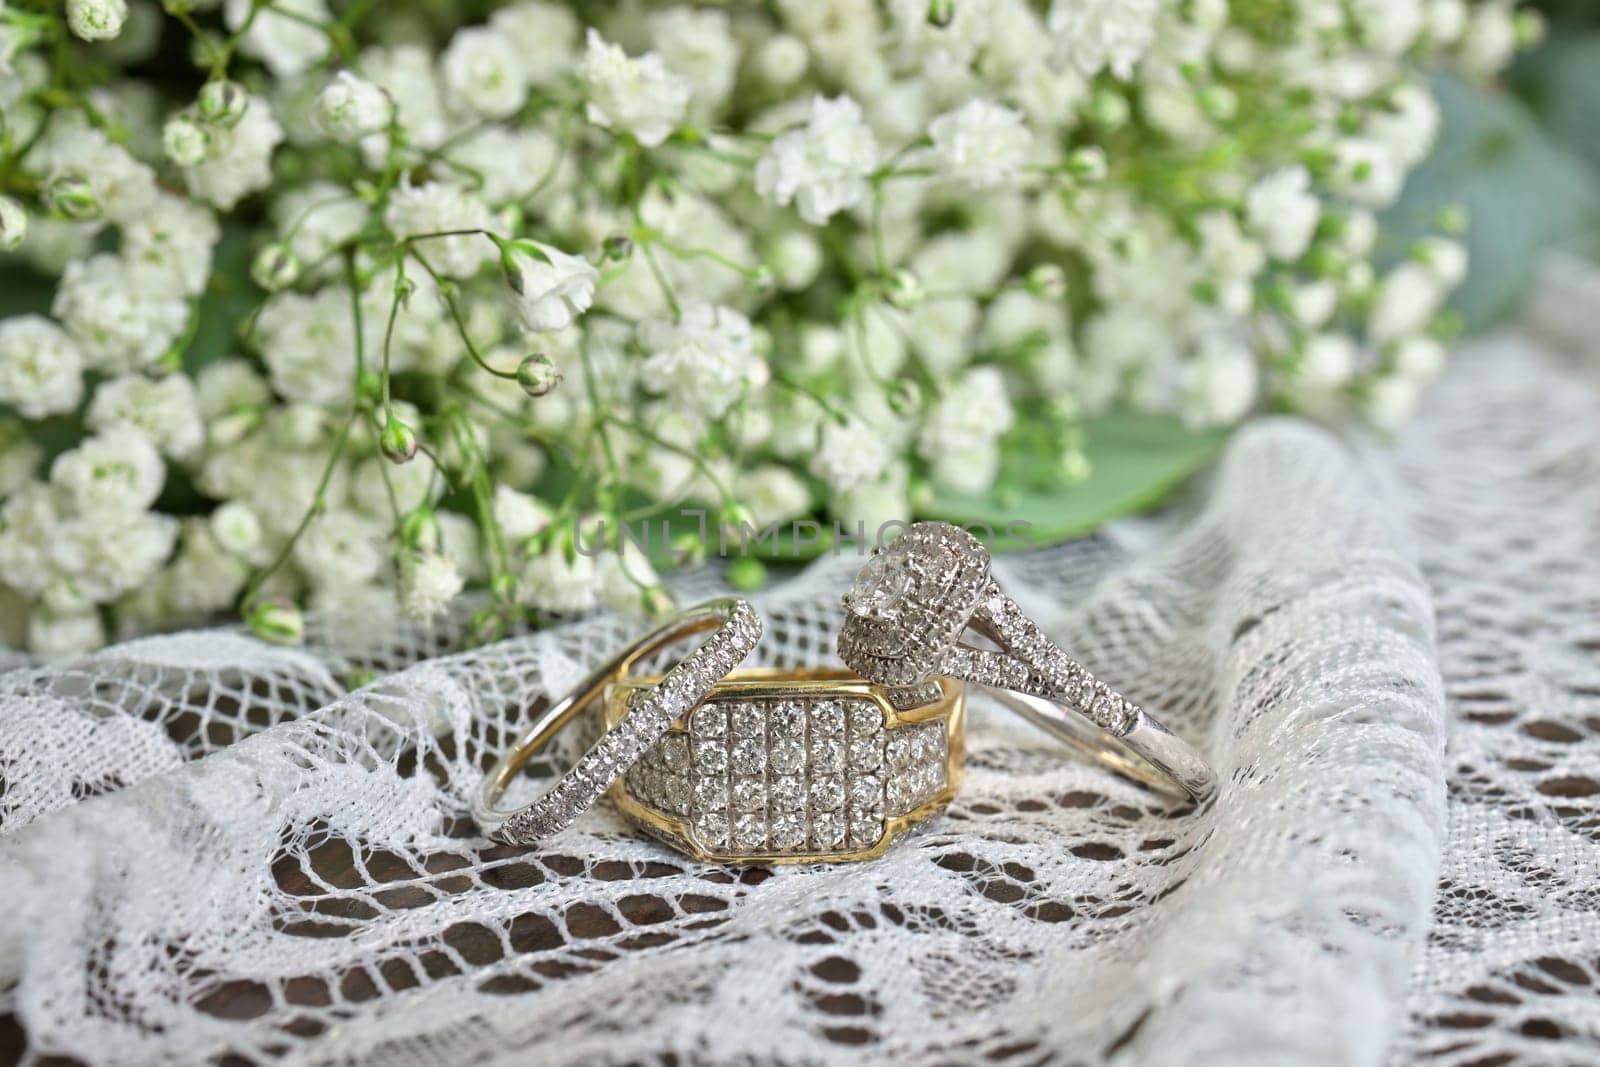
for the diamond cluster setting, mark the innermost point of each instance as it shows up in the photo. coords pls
(912, 601)
(791, 776)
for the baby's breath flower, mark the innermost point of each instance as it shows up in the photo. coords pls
(350, 107)
(561, 583)
(981, 143)
(822, 166)
(237, 530)
(1283, 212)
(550, 287)
(482, 72)
(519, 514)
(115, 471)
(448, 210)
(704, 361)
(636, 95)
(13, 224)
(41, 369)
(1095, 35)
(1219, 382)
(849, 454)
(120, 318)
(429, 581)
(240, 158)
(165, 410)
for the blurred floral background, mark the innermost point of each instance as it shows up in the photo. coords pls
(355, 309)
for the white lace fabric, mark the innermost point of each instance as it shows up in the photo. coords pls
(312, 889)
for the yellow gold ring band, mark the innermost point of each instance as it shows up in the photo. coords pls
(792, 767)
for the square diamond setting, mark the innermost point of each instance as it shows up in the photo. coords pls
(791, 777)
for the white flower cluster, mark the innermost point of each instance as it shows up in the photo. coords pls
(366, 319)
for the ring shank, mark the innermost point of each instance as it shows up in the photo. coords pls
(1148, 752)
(485, 806)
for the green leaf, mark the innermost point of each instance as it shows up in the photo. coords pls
(1523, 192)
(1136, 461)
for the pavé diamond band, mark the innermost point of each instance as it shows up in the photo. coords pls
(904, 619)
(737, 630)
(792, 767)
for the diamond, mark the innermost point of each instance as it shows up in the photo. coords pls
(788, 830)
(711, 828)
(864, 718)
(866, 790)
(711, 791)
(750, 830)
(827, 718)
(674, 751)
(787, 754)
(675, 794)
(866, 826)
(787, 791)
(827, 830)
(881, 587)
(897, 749)
(710, 757)
(787, 720)
(827, 792)
(901, 793)
(749, 755)
(709, 720)
(748, 721)
(827, 755)
(749, 793)
(866, 753)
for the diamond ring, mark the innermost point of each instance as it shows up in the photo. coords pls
(737, 629)
(791, 767)
(904, 619)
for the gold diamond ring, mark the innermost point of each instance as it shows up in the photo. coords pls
(791, 767)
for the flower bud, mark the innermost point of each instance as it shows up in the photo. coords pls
(1108, 108)
(538, 375)
(941, 13)
(223, 102)
(419, 530)
(185, 141)
(746, 574)
(905, 397)
(903, 289)
(1088, 164)
(616, 248)
(1048, 280)
(1219, 102)
(278, 622)
(13, 224)
(275, 268)
(71, 197)
(397, 441)
(96, 20)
